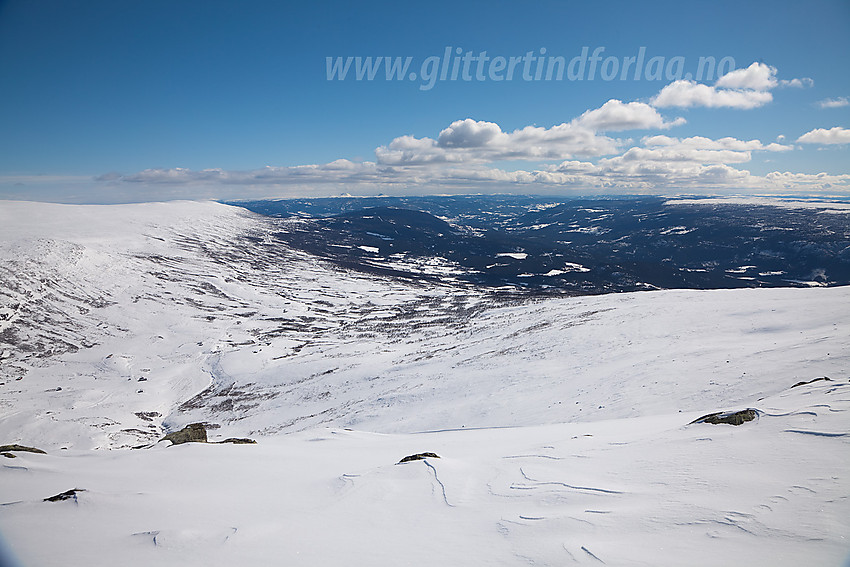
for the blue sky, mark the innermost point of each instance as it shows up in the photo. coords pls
(135, 101)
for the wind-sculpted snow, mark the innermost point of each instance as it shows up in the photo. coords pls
(562, 423)
(638, 491)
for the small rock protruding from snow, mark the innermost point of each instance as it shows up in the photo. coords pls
(730, 418)
(238, 441)
(67, 495)
(418, 457)
(804, 382)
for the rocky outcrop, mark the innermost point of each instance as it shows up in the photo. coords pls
(192, 433)
(729, 418)
(197, 433)
(6, 450)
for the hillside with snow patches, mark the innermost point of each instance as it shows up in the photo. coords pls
(563, 425)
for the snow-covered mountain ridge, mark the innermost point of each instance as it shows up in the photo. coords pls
(561, 422)
(143, 301)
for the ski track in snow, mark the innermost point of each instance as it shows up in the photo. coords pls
(561, 424)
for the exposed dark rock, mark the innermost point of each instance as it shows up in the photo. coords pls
(15, 447)
(729, 417)
(419, 457)
(192, 433)
(67, 495)
(9, 455)
(827, 378)
(148, 415)
(222, 406)
(238, 441)
(136, 431)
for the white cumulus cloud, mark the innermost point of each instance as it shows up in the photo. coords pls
(701, 143)
(474, 141)
(834, 102)
(575, 155)
(836, 135)
(684, 93)
(757, 77)
(616, 115)
(797, 83)
(469, 134)
(744, 88)
(470, 141)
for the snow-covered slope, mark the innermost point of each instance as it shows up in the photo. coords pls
(113, 311)
(562, 424)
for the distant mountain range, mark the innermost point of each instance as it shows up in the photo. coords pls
(572, 245)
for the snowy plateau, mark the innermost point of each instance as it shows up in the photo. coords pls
(561, 427)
